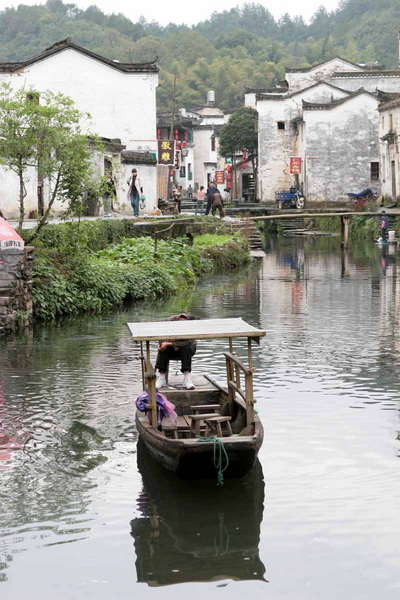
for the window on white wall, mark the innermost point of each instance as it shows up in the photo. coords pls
(375, 171)
(281, 124)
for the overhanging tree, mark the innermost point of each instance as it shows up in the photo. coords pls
(44, 132)
(240, 133)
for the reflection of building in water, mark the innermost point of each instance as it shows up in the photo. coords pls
(389, 304)
(194, 531)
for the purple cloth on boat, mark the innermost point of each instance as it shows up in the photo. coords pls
(165, 408)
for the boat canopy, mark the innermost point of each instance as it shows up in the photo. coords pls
(196, 329)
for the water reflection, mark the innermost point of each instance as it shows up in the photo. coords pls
(194, 531)
(333, 345)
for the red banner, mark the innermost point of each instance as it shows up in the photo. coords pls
(295, 165)
(219, 177)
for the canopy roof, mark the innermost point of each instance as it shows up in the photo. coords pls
(197, 329)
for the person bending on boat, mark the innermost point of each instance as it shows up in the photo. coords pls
(182, 350)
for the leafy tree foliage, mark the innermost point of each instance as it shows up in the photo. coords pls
(233, 49)
(44, 132)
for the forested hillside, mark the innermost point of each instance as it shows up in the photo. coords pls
(244, 46)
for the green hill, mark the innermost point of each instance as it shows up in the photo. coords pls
(242, 47)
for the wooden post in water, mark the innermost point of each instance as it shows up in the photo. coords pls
(345, 262)
(344, 222)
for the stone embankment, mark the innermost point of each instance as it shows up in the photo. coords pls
(15, 289)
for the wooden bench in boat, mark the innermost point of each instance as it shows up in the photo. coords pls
(214, 426)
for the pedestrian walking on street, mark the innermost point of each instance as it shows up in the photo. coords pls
(190, 191)
(134, 191)
(178, 198)
(201, 193)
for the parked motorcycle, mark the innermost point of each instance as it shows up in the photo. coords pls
(361, 199)
(290, 199)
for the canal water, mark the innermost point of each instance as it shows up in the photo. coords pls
(85, 514)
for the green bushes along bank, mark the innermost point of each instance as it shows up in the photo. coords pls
(99, 273)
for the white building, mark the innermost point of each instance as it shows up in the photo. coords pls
(327, 116)
(121, 99)
(205, 139)
(389, 131)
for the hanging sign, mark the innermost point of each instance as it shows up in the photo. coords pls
(9, 238)
(219, 177)
(166, 152)
(295, 165)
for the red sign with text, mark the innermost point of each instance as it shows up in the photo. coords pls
(219, 177)
(295, 165)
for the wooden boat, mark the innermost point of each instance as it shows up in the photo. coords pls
(208, 416)
(186, 531)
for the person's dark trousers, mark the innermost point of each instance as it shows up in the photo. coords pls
(384, 234)
(209, 203)
(184, 354)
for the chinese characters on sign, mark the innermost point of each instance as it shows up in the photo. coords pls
(166, 152)
(295, 165)
(219, 177)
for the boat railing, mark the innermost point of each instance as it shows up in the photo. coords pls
(235, 369)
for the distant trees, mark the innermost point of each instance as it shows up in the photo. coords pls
(242, 46)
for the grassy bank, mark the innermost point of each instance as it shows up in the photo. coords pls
(91, 272)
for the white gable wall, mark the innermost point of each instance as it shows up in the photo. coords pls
(369, 82)
(122, 105)
(341, 143)
(299, 80)
(277, 145)
(389, 152)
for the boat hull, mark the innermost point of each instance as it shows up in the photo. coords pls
(192, 459)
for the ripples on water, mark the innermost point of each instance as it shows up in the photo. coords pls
(328, 391)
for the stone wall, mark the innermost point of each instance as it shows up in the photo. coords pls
(15, 289)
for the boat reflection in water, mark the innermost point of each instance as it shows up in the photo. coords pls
(194, 530)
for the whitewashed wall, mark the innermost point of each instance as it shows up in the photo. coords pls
(277, 145)
(368, 81)
(389, 120)
(341, 143)
(205, 159)
(122, 105)
(302, 79)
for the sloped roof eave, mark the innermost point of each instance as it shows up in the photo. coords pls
(69, 45)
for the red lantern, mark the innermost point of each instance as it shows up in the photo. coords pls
(228, 177)
(176, 134)
(159, 134)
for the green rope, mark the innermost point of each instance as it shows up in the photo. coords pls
(220, 454)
